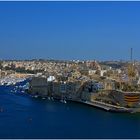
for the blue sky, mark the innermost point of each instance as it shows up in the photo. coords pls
(69, 30)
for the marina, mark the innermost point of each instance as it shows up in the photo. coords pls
(11, 81)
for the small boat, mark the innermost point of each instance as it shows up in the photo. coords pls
(49, 98)
(63, 101)
(43, 98)
(14, 83)
(52, 99)
(9, 83)
(36, 96)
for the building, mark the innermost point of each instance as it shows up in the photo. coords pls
(39, 86)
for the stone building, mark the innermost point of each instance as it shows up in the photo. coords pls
(39, 86)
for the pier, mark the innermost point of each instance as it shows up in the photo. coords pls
(109, 107)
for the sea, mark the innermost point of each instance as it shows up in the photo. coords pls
(22, 116)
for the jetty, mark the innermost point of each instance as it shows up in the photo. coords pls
(108, 107)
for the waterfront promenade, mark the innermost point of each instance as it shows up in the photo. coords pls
(108, 107)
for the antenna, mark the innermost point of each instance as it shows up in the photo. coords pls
(131, 54)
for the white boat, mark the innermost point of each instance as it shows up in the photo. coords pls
(14, 83)
(2, 84)
(36, 96)
(43, 98)
(63, 101)
(9, 83)
(49, 98)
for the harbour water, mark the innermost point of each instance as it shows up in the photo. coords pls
(22, 116)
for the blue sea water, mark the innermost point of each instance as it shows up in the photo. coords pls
(27, 117)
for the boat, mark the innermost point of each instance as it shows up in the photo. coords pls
(52, 99)
(36, 96)
(14, 83)
(63, 101)
(49, 98)
(9, 83)
(2, 84)
(43, 98)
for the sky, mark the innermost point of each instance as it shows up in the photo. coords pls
(70, 30)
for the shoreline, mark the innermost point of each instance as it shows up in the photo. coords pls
(108, 107)
(101, 105)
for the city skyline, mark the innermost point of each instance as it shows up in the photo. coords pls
(69, 30)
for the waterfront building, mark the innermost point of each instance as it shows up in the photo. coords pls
(39, 86)
(69, 90)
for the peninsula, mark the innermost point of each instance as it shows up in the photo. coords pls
(109, 85)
